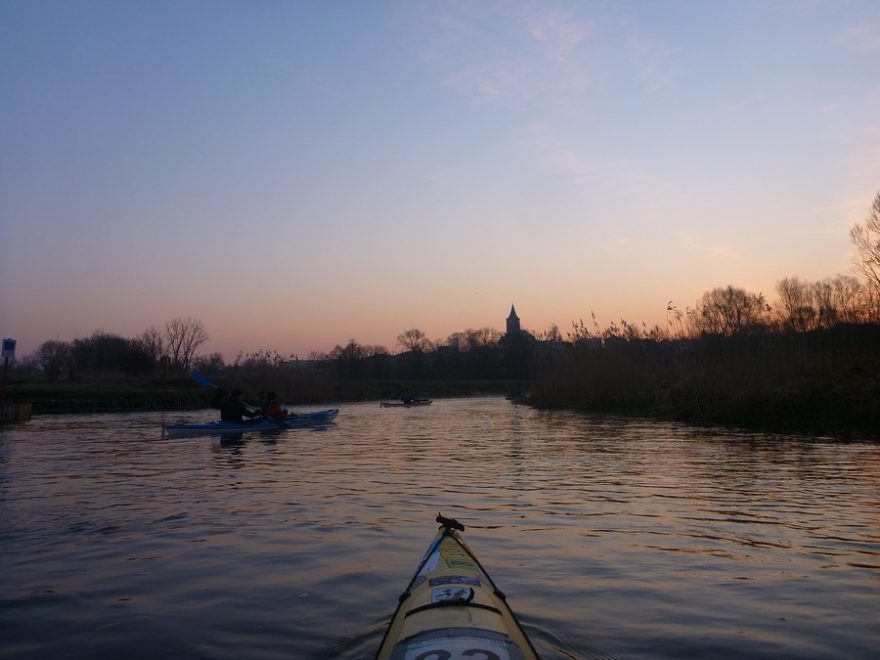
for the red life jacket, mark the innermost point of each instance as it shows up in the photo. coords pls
(275, 411)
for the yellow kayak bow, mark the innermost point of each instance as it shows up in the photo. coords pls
(453, 610)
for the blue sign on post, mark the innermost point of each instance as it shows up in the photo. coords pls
(8, 348)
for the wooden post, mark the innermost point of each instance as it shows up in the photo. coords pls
(7, 351)
(5, 371)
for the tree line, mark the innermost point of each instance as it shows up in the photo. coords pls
(807, 364)
(801, 307)
(175, 346)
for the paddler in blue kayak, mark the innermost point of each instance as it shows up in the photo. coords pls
(232, 409)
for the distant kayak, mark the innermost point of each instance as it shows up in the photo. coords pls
(405, 404)
(303, 419)
(452, 609)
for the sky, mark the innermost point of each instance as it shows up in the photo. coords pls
(298, 174)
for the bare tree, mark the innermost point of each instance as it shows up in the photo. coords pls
(183, 338)
(850, 298)
(827, 314)
(348, 353)
(866, 238)
(482, 338)
(805, 306)
(54, 356)
(152, 343)
(415, 340)
(212, 363)
(795, 298)
(472, 340)
(730, 311)
(457, 341)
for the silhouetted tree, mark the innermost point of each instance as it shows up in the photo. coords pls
(482, 338)
(182, 339)
(53, 357)
(414, 340)
(730, 310)
(212, 363)
(866, 238)
(348, 358)
(103, 352)
(351, 351)
(796, 307)
(805, 306)
(152, 342)
(850, 298)
(457, 342)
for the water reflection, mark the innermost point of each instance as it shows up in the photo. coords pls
(609, 536)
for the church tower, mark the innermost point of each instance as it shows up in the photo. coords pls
(513, 329)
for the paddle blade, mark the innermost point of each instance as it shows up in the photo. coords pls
(202, 379)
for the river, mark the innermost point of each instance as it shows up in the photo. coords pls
(611, 538)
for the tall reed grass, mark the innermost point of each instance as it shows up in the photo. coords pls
(825, 382)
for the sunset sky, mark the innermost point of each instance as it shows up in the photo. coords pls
(297, 174)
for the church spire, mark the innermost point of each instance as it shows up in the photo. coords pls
(513, 329)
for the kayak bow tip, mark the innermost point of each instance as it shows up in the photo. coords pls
(449, 523)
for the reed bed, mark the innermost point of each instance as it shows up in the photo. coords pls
(823, 382)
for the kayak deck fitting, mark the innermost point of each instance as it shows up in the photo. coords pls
(452, 609)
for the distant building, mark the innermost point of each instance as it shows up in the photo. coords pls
(513, 328)
(515, 335)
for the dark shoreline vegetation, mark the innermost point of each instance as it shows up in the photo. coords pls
(822, 382)
(825, 382)
(133, 394)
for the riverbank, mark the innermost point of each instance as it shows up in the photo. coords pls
(824, 383)
(108, 395)
(15, 412)
(136, 395)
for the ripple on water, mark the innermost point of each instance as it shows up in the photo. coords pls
(610, 537)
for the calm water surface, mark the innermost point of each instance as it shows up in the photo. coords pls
(611, 538)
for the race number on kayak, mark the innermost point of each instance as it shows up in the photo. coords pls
(457, 648)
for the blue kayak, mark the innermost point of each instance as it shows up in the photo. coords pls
(302, 419)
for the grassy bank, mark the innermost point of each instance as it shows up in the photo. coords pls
(135, 394)
(109, 395)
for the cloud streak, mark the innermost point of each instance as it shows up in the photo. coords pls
(652, 61)
(511, 54)
(864, 39)
(558, 157)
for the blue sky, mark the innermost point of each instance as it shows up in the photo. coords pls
(298, 174)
